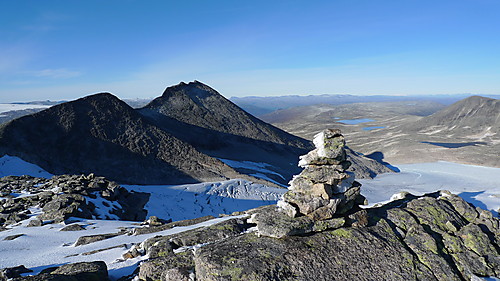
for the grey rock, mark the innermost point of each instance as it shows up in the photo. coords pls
(210, 234)
(12, 237)
(73, 227)
(152, 229)
(83, 240)
(81, 271)
(96, 270)
(167, 266)
(13, 272)
(35, 222)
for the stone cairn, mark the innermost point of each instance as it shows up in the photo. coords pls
(323, 189)
(321, 197)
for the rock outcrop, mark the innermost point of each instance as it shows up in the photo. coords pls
(81, 271)
(65, 196)
(437, 236)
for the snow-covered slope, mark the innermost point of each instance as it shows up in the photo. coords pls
(475, 184)
(47, 246)
(189, 201)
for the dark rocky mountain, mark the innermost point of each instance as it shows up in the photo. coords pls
(101, 134)
(199, 105)
(186, 135)
(199, 115)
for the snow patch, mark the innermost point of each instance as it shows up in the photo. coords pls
(254, 166)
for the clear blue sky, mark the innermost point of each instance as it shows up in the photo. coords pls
(68, 49)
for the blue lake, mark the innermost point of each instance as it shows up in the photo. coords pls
(372, 128)
(355, 121)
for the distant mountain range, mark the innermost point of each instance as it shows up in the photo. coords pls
(258, 105)
(189, 134)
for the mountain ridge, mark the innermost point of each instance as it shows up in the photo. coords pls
(113, 139)
(184, 136)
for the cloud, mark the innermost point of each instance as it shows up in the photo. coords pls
(58, 73)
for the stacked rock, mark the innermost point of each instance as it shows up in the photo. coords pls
(324, 189)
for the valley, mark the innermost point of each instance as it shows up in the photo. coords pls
(406, 132)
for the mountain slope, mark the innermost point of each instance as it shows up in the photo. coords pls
(472, 115)
(199, 115)
(197, 104)
(101, 134)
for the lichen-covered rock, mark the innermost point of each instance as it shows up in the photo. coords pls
(83, 240)
(96, 270)
(341, 254)
(167, 267)
(73, 227)
(415, 238)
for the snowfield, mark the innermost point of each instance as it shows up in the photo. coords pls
(190, 201)
(475, 184)
(46, 246)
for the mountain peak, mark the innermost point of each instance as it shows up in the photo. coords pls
(200, 105)
(194, 90)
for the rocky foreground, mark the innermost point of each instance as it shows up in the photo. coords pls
(66, 196)
(432, 237)
(318, 231)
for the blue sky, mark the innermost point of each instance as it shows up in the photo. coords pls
(68, 49)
